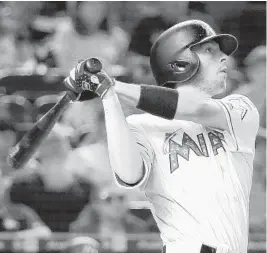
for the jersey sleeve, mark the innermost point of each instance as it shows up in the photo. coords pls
(146, 151)
(243, 121)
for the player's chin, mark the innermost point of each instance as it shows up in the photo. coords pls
(220, 87)
(222, 81)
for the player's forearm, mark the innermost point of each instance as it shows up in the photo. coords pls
(185, 103)
(124, 153)
(131, 94)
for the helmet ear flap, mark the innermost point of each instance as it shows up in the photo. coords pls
(194, 66)
(184, 67)
(179, 66)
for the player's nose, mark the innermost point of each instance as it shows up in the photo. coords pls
(223, 57)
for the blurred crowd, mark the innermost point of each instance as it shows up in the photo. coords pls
(66, 187)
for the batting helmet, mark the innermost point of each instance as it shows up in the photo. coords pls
(171, 57)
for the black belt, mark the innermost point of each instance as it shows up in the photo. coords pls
(204, 249)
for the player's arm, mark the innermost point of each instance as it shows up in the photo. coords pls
(186, 103)
(125, 154)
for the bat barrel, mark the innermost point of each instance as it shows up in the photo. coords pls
(20, 154)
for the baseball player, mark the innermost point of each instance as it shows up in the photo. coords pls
(191, 154)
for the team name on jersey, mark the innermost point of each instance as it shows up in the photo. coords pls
(180, 143)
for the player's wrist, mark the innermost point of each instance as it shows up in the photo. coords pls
(158, 101)
(109, 93)
(104, 87)
(119, 84)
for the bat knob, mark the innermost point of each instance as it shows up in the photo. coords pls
(93, 65)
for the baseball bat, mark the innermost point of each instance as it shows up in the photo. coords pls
(20, 154)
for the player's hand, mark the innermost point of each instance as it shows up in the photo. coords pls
(88, 76)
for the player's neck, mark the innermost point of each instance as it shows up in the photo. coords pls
(197, 88)
(199, 83)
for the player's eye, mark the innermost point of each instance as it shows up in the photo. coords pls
(208, 50)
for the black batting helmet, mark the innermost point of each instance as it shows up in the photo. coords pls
(171, 57)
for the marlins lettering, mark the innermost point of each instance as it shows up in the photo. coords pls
(187, 143)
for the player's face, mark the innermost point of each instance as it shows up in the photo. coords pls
(213, 71)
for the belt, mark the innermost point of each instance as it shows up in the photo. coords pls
(204, 249)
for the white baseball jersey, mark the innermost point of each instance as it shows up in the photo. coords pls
(198, 179)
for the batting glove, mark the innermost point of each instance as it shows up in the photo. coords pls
(88, 76)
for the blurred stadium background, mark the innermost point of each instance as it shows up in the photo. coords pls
(53, 207)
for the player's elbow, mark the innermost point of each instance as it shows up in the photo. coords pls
(192, 113)
(210, 114)
(207, 113)
(131, 173)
